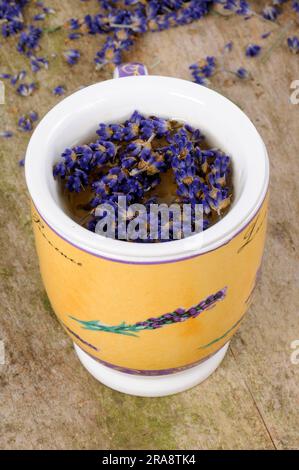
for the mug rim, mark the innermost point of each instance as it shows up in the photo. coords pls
(145, 253)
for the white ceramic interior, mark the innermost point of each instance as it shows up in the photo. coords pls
(75, 120)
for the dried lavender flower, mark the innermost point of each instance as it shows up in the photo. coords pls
(25, 89)
(26, 122)
(253, 50)
(242, 73)
(293, 44)
(6, 134)
(129, 159)
(58, 90)
(203, 69)
(72, 56)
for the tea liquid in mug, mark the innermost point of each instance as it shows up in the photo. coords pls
(77, 203)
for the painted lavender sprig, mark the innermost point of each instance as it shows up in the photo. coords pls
(152, 323)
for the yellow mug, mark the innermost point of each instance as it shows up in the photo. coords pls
(149, 319)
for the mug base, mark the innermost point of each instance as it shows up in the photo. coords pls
(151, 386)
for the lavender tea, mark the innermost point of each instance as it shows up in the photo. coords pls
(148, 179)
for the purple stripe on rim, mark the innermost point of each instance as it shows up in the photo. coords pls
(153, 262)
(151, 373)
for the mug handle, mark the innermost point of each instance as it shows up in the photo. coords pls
(130, 69)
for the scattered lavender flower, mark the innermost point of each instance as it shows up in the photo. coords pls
(17, 77)
(109, 54)
(29, 40)
(26, 122)
(39, 17)
(122, 22)
(6, 134)
(295, 5)
(242, 73)
(49, 10)
(58, 90)
(36, 63)
(228, 47)
(74, 24)
(253, 50)
(203, 69)
(266, 35)
(25, 89)
(293, 44)
(270, 13)
(33, 116)
(11, 18)
(72, 56)
(5, 76)
(74, 36)
(240, 7)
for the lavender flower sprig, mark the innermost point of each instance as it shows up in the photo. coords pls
(11, 16)
(123, 21)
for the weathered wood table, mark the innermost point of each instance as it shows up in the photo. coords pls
(47, 399)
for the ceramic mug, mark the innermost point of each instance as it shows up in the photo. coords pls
(103, 289)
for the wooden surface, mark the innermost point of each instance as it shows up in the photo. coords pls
(47, 399)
